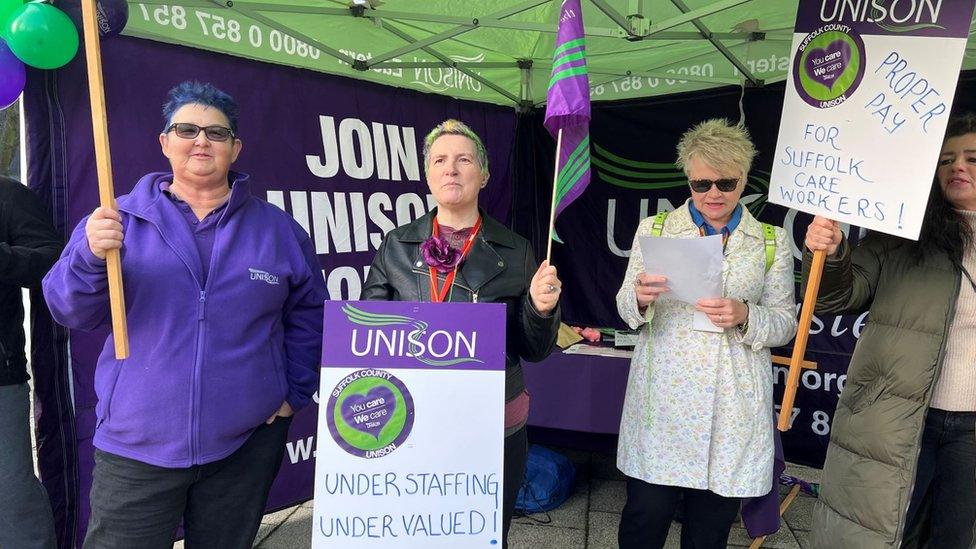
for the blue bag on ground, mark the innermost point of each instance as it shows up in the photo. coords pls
(549, 481)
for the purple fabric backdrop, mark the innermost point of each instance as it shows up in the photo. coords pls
(311, 146)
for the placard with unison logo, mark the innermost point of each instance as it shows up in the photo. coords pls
(866, 107)
(411, 425)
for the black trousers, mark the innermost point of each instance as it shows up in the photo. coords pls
(647, 515)
(943, 506)
(135, 505)
(516, 454)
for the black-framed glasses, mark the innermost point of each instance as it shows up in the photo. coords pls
(186, 130)
(704, 185)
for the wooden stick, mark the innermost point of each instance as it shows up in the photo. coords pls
(552, 207)
(783, 506)
(103, 163)
(785, 361)
(802, 334)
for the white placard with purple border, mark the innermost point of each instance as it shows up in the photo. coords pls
(411, 426)
(866, 107)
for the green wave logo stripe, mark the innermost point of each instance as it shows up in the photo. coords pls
(576, 165)
(910, 28)
(634, 163)
(569, 58)
(571, 179)
(450, 362)
(635, 174)
(364, 318)
(638, 186)
(359, 316)
(567, 46)
(563, 55)
(758, 182)
(566, 73)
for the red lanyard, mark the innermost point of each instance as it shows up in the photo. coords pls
(438, 295)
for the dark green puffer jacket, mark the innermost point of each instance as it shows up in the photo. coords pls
(877, 429)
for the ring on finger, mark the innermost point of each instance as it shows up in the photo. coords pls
(550, 288)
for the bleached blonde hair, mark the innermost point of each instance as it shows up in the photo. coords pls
(456, 127)
(723, 146)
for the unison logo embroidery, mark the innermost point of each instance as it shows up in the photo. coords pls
(258, 274)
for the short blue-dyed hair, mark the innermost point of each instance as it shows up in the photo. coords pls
(199, 93)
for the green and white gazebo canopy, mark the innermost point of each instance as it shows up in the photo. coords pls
(498, 51)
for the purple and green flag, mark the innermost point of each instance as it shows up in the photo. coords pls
(568, 106)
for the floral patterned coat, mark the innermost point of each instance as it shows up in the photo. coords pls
(698, 408)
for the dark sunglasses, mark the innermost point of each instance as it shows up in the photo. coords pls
(704, 185)
(191, 131)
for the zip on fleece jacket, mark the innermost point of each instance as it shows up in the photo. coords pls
(193, 427)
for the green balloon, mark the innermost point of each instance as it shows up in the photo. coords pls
(41, 35)
(7, 8)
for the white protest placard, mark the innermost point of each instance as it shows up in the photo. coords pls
(866, 107)
(411, 426)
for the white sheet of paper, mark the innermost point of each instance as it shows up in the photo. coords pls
(693, 267)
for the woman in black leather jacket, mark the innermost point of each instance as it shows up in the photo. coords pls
(457, 253)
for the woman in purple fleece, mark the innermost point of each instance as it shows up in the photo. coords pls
(224, 301)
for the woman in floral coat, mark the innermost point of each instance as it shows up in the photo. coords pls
(697, 414)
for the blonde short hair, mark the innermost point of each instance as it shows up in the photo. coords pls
(456, 127)
(718, 143)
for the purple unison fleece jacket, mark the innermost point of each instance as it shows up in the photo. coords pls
(208, 363)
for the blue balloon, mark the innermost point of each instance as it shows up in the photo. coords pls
(13, 76)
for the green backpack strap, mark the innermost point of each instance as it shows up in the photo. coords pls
(769, 242)
(657, 226)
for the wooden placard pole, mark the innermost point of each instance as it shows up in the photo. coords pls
(800, 343)
(103, 163)
(785, 361)
(552, 207)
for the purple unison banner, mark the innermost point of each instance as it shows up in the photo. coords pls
(344, 157)
(411, 425)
